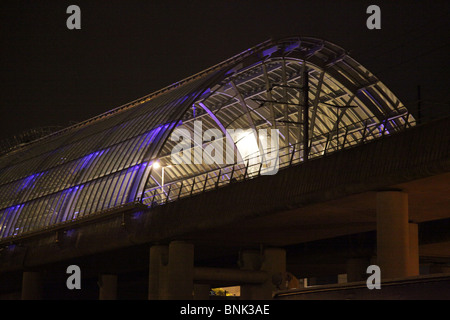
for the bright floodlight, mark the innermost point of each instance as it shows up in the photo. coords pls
(156, 165)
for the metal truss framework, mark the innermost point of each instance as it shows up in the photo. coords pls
(109, 161)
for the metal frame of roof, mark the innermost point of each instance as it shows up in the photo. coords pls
(108, 161)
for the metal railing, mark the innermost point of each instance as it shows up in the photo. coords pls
(344, 137)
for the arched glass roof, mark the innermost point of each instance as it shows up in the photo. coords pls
(127, 155)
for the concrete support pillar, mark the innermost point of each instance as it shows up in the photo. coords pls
(273, 262)
(31, 286)
(180, 271)
(250, 260)
(157, 282)
(108, 287)
(393, 235)
(201, 291)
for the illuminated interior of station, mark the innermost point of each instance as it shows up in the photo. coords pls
(126, 155)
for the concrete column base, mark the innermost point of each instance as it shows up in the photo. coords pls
(397, 240)
(272, 261)
(157, 284)
(171, 272)
(180, 271)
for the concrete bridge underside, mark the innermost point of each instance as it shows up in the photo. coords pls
(322, 212)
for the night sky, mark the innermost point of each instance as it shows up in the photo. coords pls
(53, 76)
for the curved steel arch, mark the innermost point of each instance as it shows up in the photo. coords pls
(106, 161)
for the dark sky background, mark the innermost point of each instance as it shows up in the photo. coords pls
(52, 76)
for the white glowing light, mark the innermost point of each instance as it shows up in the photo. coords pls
(156, 165)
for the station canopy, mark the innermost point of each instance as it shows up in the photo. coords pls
(126, 155)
